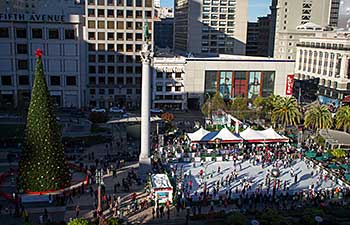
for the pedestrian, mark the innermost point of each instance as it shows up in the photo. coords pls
(153, 212)
(168, 213)
(77, 211)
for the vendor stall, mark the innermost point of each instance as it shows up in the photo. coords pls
(161, 189)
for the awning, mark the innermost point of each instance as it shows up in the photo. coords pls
(252, 136)
(198, 135)
(265, 136)
(225, 136)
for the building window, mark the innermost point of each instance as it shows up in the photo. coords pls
(22, 64)
(71, 81)
(138, 3)
(101, 24)
(101, 47)
(111, 80)
(110, 13)
(110, 24)
(120, 80)
(55, 81)
(6, 80)
(138, 70)
(177, 88)
(129, 2)
(20, 33)
(110, 47)
(37, 33)
(138, 37)
(92, 58)
(91, 47)
(138, 13)
(101, 58)
(129, 80)
(159, 75)
(111, 91)
(91, 12)
(120, 69)
(92, 69)
(102, 69)
(159, 88)
(101, 35)
(101, 91)
(69, 34)
(92, 80)
(120, 13)
(120, 2)
(120, 25)
(110, 36)
(4, 32)
(53, 34)
(129, 69)
(92, 91)
(110, 58)
(100, 12)
(91, 24)
(91, 36)
(23, 80)
(168, 88)
(110, 69)
(101, 80)
(128, 91)
(22, 49)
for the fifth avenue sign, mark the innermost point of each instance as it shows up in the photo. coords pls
(32, 17)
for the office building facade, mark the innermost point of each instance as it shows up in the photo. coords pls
(292, 14)
(114, 36)
(164, 33)
(183, 82)
(210, 27)
(60, 36)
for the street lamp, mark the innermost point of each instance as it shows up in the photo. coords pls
(99, 182)
(275, 173)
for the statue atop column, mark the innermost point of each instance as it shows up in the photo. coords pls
(146, 52)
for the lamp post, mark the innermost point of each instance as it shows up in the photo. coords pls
(99, 182)
(275, 173)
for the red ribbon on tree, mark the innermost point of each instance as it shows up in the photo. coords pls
(38, 53)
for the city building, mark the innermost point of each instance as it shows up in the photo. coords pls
(343, 15)
(114, 35)
(164, 33)
(205, 27)
(182, 83)
(59, 34)
(273, 9)
(164, 12)
(252, 39)
(293, 14)
(258, 37)
(326, 56)
(156, 3)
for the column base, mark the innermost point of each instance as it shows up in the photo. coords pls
(144, 167)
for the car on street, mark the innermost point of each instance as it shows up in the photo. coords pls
(156, 110)
(116, 110)
(100, 110)
(126, 115)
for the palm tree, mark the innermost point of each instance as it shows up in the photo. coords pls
(318, 117)
(342, 118)
(285, 111)
(338, 153)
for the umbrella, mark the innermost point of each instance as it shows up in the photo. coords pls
(310, 154)
(345, 166)
(320, 158)
(327, 155)
(333, 166)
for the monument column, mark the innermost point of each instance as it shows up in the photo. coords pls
(146, 56)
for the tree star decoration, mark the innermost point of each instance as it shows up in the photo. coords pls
(38, 53)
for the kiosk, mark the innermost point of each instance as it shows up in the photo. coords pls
(161, 189)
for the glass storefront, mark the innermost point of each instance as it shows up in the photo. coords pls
(247, 84)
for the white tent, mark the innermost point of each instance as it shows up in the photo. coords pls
(272, 136)
(251, 135)
(226, 136)
(198, 135)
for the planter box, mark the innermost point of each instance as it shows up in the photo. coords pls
(197, 159)
(219, 159)
(208, 159)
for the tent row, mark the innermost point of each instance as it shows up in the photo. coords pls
(226, 136)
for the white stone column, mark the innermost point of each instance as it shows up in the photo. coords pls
(144, 158)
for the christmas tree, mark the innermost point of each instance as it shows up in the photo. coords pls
(42, 166)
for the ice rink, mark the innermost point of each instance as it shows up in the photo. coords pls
(255, 174)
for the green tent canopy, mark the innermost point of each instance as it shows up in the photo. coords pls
(310, 154)
(333, 166)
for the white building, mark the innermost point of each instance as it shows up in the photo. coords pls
(293, 13)
(326, 56)
(210, 27)
(59, 34)
(190, 79)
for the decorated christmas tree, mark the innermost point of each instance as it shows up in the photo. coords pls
(42, 166)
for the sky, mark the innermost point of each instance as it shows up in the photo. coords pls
(255, 7)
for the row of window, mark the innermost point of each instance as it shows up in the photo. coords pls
(39, 33)
(114, 59)
(119, 13)
(168, 97)
(160, 88)
(222, 3)
(112, 91)
(206, 29)
(137, 3)
(53, 80)
(115, 69)
(217, 50)
(115, 81)
(113, 47)
(217, 9)
(220, 16)
(218, 23)
(169, 75)
(130, 25)
(110, 36)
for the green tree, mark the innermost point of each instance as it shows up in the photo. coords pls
(338, 153)
(79, 221)
(258, 102)
(239, 108)
(342, 118)
(213, 104)
(318, 117)
(42, 166)
(285, 111)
